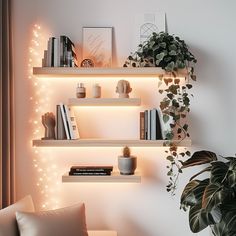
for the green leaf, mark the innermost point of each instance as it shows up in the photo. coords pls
(185, 127)
(200, 172)
(172, 53)
(170, 158)
(212, 196)
(218, 172)
(189, 86)
(160, 56)
(166, 118)
(227, 226)
(187, 197)
(164, 104)
(199, 158)
(198, 218)
(170, 66)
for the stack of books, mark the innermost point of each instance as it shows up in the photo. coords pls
(90, 170)
(60, 53)
(150, 125)
(66, 125)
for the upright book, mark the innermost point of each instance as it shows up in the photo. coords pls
(72, 124)
(61, 133)
(65, 121)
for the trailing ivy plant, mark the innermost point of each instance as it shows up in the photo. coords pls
(211, 201)
(171, 54)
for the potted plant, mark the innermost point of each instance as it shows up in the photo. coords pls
(127, 163)
(163, 50)
(211, 201)
(172, 54)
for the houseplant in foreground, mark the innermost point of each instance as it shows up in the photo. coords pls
(211, 201)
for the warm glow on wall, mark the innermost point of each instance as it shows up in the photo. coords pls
(43, 160)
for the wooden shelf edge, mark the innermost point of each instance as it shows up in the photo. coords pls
(114, 177)
(106, 143)
(104, 101)
(117, 71)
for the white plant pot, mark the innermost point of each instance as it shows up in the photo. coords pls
(127, 165)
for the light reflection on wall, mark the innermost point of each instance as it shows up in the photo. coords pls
(43, 159)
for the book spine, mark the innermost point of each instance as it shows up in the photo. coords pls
(64, 120)
(149, 125)
(153, 124)
(74, 124)
(91, 170)
(44, 60)
(162, 124)
(89, 174)
(61, 134)
(142, 125)
(62, 54)
(49, 53)
(146, 124)
(68, 119)
(56, 52)
(159, 132)
(52, 53)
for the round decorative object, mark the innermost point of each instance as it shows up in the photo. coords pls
(87, 63)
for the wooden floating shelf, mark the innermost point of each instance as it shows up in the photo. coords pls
(102, 72)
(101, 233)
(114, 177)
(105, 101)
(106, 143)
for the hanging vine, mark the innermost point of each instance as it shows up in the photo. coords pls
(171, 54)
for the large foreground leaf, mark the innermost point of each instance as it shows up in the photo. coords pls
(199, 218)
(218, 171)
(227, 226)
(199, 158)
(188, 197)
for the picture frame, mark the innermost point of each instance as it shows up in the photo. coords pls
(97, 45)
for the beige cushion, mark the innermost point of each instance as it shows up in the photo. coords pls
(8, 225)
(62, 222)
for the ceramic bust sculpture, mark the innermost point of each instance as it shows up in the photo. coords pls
(49, 122)
(123, 88)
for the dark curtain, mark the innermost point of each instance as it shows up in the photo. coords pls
(7, 152)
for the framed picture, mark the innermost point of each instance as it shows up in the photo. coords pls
(97, 45)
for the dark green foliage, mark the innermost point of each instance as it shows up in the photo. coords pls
(163, 50)
(212, 201)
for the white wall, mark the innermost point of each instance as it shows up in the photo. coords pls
(131, 209)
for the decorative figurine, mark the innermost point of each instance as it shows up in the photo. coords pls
(80, 91)
(123, 88)
(96, 91)
(49, 123)
(87, 63)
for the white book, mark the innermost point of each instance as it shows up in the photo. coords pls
(63, 113)
(165, 127)
(56, 55)
(74, 126)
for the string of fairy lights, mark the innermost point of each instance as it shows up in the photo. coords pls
(43, 159)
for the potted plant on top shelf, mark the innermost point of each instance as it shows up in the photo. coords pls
(163, 50)
(211, 201)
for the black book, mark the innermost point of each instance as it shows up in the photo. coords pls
(91, 168)
(89, 173)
